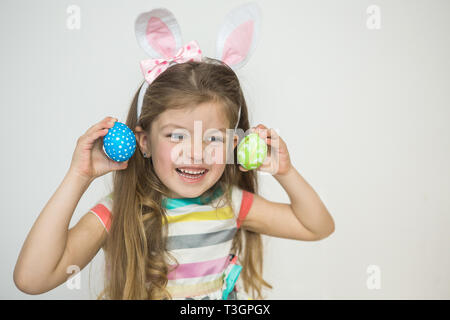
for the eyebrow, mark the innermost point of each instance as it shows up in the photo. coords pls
(178, 126)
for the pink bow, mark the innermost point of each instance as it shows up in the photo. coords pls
(152, 68)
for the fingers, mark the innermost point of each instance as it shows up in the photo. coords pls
(242, 168)
(265, 133)
(271, 137)
(99, 129)
(100, 133)
(106, 123)
(120, 165)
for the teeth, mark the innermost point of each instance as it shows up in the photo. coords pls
(192, 172)
(193, 175)
(189, 177)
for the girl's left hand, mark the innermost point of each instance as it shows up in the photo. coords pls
(277, 161)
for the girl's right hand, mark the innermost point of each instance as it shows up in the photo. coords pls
(88, 160)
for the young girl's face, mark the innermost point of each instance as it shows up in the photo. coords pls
(188, 148)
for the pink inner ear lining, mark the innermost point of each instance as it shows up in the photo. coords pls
(238, 43)
(160, 38)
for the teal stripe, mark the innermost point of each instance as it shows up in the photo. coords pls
(200, 240)
(173, 203)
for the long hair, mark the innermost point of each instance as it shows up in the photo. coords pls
(135, 248)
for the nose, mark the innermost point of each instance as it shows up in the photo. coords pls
(197, 148)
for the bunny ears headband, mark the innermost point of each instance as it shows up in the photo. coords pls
(159, 34)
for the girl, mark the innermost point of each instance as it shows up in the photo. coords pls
(135, 240)
(173, 218)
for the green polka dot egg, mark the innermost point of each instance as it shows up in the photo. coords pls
(251, 152)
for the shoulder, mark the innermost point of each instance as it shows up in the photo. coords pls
(103, 210)
(241, 201)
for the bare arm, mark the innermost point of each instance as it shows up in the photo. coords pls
(50, 247)
(306, 204)
(305, 218)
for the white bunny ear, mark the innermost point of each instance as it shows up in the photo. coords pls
(158, 33)
(239, 35)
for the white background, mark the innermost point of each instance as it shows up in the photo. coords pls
(364, 113)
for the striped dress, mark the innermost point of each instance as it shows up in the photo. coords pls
(200, 238)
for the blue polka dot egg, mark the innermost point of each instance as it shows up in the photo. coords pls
(119, 143)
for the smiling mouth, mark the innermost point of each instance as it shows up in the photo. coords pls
(191, 173)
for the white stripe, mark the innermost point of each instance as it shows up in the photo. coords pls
(189, 208)
(236, 199)
(107, 202)
(99, 219)
(199, 227)
(191, 255)
(215, 204)
(215, 295)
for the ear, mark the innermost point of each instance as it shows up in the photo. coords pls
(235, 140)
(158, 33)
(238, 35)
(142, 140)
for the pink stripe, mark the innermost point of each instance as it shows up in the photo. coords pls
(104, 214)
(247, 200)
(198, 269)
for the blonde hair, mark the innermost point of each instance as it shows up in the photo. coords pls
(135, 249)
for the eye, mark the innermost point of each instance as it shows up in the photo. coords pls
(215, 139)
(175, 136)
